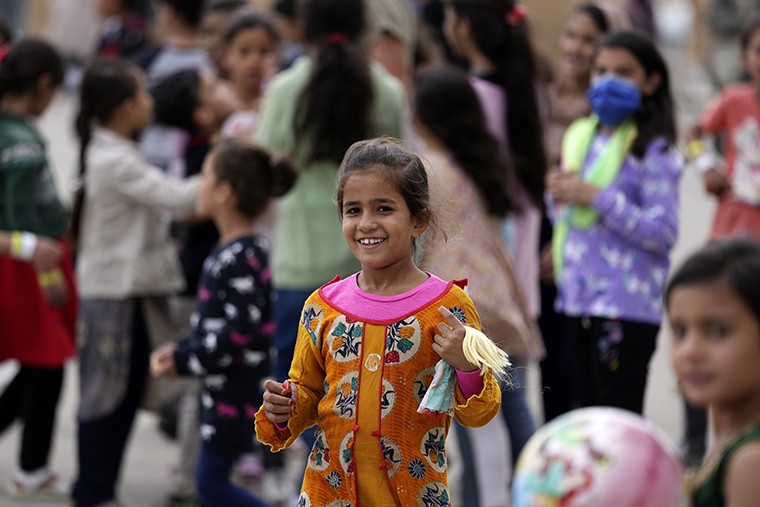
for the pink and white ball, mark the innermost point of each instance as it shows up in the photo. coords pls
(599, 457)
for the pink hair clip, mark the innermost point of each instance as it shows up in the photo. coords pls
(516, 15)
(337, 38)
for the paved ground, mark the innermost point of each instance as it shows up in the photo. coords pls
(150, 457)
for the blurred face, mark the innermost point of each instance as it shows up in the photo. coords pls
(621, 63)
(751, 57)
(141, 106)
(453, 30)
(577, 44)
(249, 58)
(43, 95)
(377, 223)
(211, 28)
(217, 101)
(715, 345)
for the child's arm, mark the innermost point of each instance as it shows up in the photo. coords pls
(650, 221)
(741, 487)
(307, 378)
(700, 150)
(152, 187)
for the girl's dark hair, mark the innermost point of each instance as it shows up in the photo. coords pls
(749, 28)
(254, 175)
(734, 261)
(176, 97)
(6, 32)
(225, 6)
(190, 11)
(400, 165)
(596, 15)
(448, 107)
(333, 109)
(655, 116)
(249, 19)
(507, 44)
(106, 84)
(26, 62)
(286, 8)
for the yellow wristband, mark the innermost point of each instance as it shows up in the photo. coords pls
(23, 245)
(48, 278)
(694, 149)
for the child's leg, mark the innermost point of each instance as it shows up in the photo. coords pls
(579, 334)
(11, 400)
(623, 351)
(212, 477)
(42, 389)
(515, 409)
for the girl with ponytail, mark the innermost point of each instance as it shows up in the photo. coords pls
(234, 312)
(126, 265)
(313, 112)
(37, 295)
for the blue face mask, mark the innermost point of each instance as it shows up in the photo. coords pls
(613, 99)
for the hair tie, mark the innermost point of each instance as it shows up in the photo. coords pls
(337, 38)
(515, 15)
(4, 50)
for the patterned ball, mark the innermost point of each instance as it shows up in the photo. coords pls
(599, 457)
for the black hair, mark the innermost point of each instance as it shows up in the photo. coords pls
(26, 62)
(249, 19)
(397, 163)
(254, 175)
(749, 27)
(106, 84)
(190, 11)
(596, 15)
(448, 107)
(6, 32)
(225, 6)
(176, 98)
(733, 261)
(333, 109)
(286, 8)
(506, 43)
(655, 116)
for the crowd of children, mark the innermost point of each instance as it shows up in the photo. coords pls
(408, 284)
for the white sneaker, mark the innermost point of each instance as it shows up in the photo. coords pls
(53, 489)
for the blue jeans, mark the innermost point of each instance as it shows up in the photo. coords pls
(212, 477)
(515, 410)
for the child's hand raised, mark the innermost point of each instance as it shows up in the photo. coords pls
(448, 342)
(278, 406)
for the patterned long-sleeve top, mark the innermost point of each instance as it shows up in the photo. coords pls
(362, 365)
(230, 341)
(618, 267)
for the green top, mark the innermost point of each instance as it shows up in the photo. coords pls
(308, 248)
(28, 198)
(708, 491)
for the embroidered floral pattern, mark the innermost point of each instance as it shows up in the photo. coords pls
(312, 319)
(303, 500)
(433, 494)
(402, 340)
(392, 455)
(345, 339)
(422, 382)
(387, 399)
(417, 468)
(433, 447)
(334, 479)
(459, 314)
(319, 459)
(346, 456)
(346, 393)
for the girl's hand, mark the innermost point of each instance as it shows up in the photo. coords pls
(448, 342)
(47, 254)
(277, 406)
(716, 182)
(568, 188)
(162, 361)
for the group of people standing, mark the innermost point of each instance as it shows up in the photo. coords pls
(552, 199)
